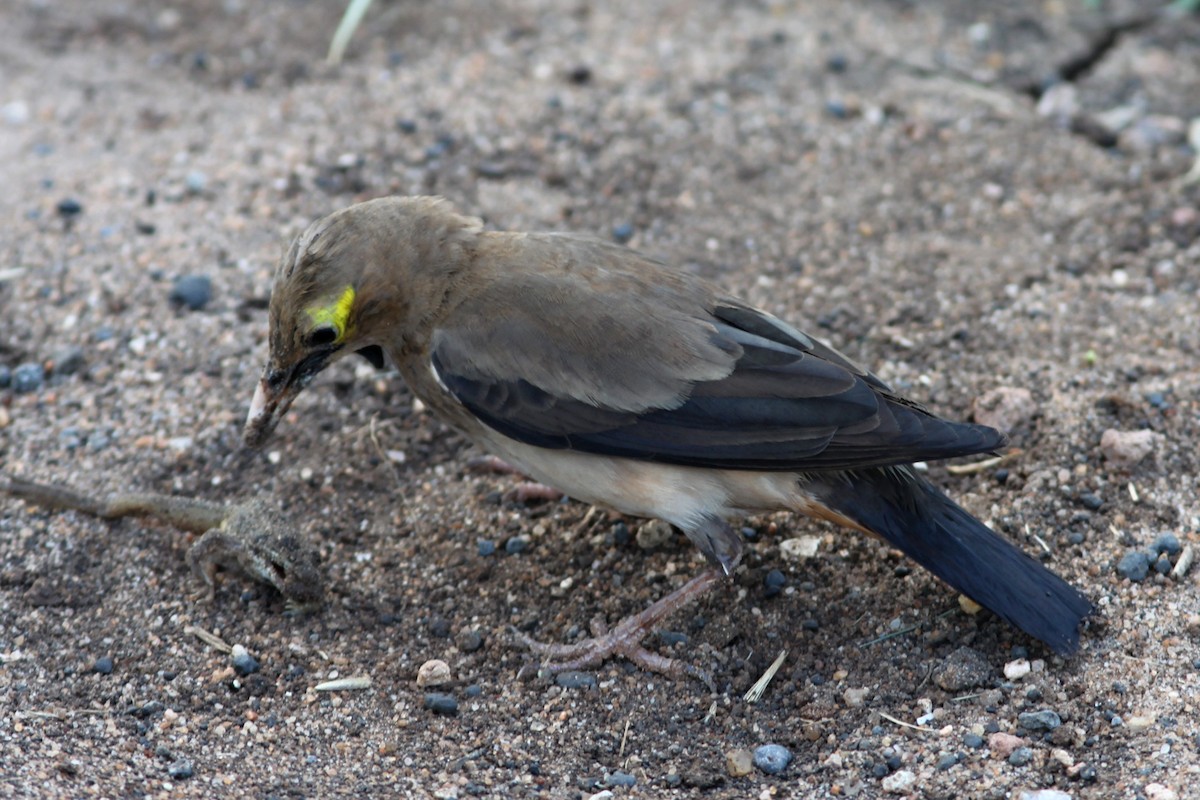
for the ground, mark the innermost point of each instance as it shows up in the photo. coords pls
(965, 197)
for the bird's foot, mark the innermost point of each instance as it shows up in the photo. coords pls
(524, 492)
(625, 639)
(492, 464)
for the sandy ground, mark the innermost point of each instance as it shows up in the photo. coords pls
(910, 181)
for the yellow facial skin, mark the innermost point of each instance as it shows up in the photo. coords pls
(336, 313)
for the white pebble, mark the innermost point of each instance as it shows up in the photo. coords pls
(899, 782)
(799, 548)
(1015, 670)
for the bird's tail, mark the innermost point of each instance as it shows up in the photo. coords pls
(914, 516)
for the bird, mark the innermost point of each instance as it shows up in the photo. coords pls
(632, 385)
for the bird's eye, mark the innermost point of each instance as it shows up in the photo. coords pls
(321, 336)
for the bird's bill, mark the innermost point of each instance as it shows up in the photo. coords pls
(266, 409)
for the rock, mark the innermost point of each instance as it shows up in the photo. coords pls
(1126, 448)
(1004, 408)
(961, 670)
(900, 782)
(1043, 794)
(433, 672)
(67, 360)
(469, 641)
(1016, 669)
(1020, 757)
(192, 292)
(28, 378)
(103, 665)
(774, 583)
(739, 763)
(653, 534)
(972, 740)
(574, 679)
(1139, 723)
(1134, 565)
(1167, 543)
(799, 548)
(1039, 720)
(243, 663)
(854, 698)
(1003, 744)
(622, 232)
(181, 770)
(620, 779)
(772, 758)
(1157, 791)
(440, 703)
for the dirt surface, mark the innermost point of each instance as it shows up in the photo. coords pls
(964, 199)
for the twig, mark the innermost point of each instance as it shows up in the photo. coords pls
(755, 692)
(210, 639)
(890, 718)
(986, 464)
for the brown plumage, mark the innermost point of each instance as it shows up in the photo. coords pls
(628, 384)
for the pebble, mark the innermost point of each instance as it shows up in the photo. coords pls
(1004, 408)
(973, 741)
(69, 208)
(103, 665)
(799, 548)
(1134, 565)
(516, 545)
(774, 583)
(485, 547)
(1091, 501)
(739, 763)
(1139, 723)
(1167, 543)
(27, 378)
(899, 782)
(195, 181)
(1017, 668)
(575, 679)
(1002, 744)
(622, 232)
(1126, 448)
(1039, 720)
(243, 663)
(5, 376)
(192, 292)
(963, 669)
(1043, 794)
(433, 672)
(68, 360)
(947, 761)
(854, 698)
(470, 641)
(440, 703)
(181, 770)
(1021, 756)
(653, 534)
(619, 779)
(1157, 791)
(772, 758)
(1162, 564)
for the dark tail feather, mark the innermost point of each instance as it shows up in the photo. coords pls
(934, 531)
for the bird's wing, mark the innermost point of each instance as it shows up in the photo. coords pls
(660, 370)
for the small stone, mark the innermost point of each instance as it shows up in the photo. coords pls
(69, 208)
(1167, 543)
(1162, 565)
(580, 74)
(1020, 757)
(192, 292)
(470, 641)
(485, 547)
(622, 232)
(1016, 669)
(68, 360)
(5, 376)
(739, 763)
(443, 704)
(947, 761)
(774, 582)
(1005, 408)
(1134, 565)
(963, 669)
(433, 672)
(1043, 794)
(854, 698)
(1062, 757)
(575, 679)
(619, 779)
(772, 758)
(973, 741)
(243, 663)
(1039, 720)
(196, 182)
(516, 545)
(653, 534)
(103, 665)
(28, 378)
(899, 782)
(1157, 791)
(799, 548)
(1126, 448)
(181, 770)
(1139, 723)
(1091, 501)
(1002, 744)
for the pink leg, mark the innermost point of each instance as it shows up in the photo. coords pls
(625, 639)
(524, 492)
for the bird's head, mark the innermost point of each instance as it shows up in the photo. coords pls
(363, 279)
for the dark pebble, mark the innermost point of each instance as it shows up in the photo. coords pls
(103, 334)
(902, 571)
(1090, 501)
(621, 534)
(574, 679)
(1020, 757)
(192, 292)
(1018, 651)
(439, 628)
(1087, 773)
(68, 360)
(103, 665)
(1167, 543)
(772, 758)
(836, 108)
(1157, 399)
(894, 763)
(145, 228)
(1162, 564)
(440, 703)
(1039, 720)
(486, 547)
(28, 378)
(1134, 565)
(947, 761)
(515, 545)
(181, 770)
(816, 680)
(5, 376)
(670, 638)
(880, 770)
(1000, 476)
(619, 778)
(1033, 694)
(749, 533)
(580, 75)
(69, 207)
(406, 126)
(973, 741)
(622, 232)
(470, 641)
(1076, 537)
(810, 625)
(474, 690)
(245, 664)
(673, 780)
(774, 583)
(837, 63)
(491, 169)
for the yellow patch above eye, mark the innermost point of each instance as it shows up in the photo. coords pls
(336, 313)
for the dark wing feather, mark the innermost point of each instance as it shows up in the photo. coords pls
(785, 401)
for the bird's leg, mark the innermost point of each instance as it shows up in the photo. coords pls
(523, 492)
(625, 639)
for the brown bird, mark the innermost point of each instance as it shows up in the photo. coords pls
(629, 384)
